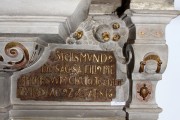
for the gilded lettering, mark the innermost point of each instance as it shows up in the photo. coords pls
(96, 58)
(110, 93)
(110, 58)
(45, 69)
(65, 92)
(67, 57)
(70, 95)
(91, 94)
(72, 75)
(52, 92)
(62, 80)
(71, 81)
(103, 58)
(83, 57)
(89, 57)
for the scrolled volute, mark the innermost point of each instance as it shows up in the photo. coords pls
(17, 55)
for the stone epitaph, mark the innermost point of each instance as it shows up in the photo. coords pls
(72, 75)
(82, 60)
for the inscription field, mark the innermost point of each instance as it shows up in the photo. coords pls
(72, 75)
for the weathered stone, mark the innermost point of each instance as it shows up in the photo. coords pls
(152, 4)
(32, 32)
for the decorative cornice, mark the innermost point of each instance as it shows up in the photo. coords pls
(53, 23)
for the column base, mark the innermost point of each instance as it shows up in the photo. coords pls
(143, 113)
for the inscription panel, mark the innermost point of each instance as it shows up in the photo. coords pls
(72, 75)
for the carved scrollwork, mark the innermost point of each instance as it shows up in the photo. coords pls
(150, 64)
(102, 32)
(16, 56)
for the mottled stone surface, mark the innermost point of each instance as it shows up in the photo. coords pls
(152, 4)
(137, 40)
(104, 6)
(106, 1)
(52, 21)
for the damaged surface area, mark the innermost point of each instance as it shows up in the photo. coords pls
(104, 6)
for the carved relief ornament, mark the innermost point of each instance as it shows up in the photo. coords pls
(150, 64)
(144, 90)
(17, 55)
(110, 33)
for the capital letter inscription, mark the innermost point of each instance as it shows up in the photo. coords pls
(72, 75)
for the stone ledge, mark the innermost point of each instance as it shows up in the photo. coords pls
(78, 112)
(5, 109)
(143, 113)
(45, 19)
(60, 118)
(151, 6)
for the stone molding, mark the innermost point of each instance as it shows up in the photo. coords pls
(52, 23)
(152, 4)
(137, 40)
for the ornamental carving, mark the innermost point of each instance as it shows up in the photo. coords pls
(150, 32)
(109, 33)
(15, 56)
(150, 64)
(144, 90)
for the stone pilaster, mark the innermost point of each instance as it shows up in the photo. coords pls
(148, 60)
(15, 56)
(5, 88)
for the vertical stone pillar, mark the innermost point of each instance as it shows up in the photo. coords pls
(5, 88)
(149, 56)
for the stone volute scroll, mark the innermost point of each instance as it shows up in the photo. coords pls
(82, 59)
(18, 55)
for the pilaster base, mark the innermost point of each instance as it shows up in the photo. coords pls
(143, 113)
